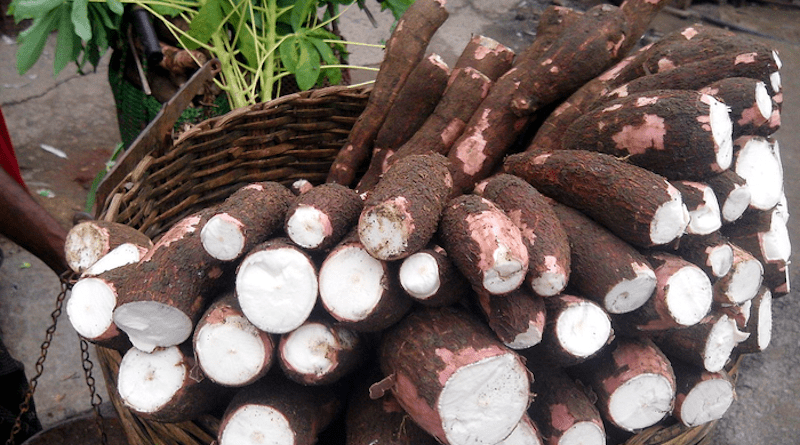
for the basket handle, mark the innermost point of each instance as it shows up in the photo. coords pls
(156, 134)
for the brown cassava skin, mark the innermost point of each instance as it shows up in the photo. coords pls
(466, 89)
(487, 56)
(380, 421)
(692, 44)
(106, 235)
(723, 185)
(414, 103)
(630, 357)
(404, 50)
(453, 286)
(346, 355)
(307, 410)
(412, 193)
(472, 229)
(424, 350)
(697, 249)
(723, 291)
(620, 196)
(654, 315)
(665, 131)
(342, 206)
(750, 345)
(259, 208)
(600, 259)
(560, 403)
(739, 93)
(545, 238)
(688, 377)
(553, 22)
(224, 310)
(177, 271)
(509, 315)
(689, 343)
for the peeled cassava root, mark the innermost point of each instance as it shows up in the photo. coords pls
(623, 286)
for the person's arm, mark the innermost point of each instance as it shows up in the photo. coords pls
(25, 222)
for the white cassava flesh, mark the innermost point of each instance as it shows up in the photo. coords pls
(257, 424)
(706, 217)
(351, 283)
(763, 100)
(308, 226)
(90, 307)
(758, 164)
(629, 295)
(524, 434)
(231, 353)
(385, 228)
(551, 282)
(311, 348)
(721, 130)
(150, 324)
(776, 244)
(148, 381)
(583, 433)
(507, 272)
(721, 259)
(736, 203)
(641, 401)
(277, 289)
(121, 255)
(722, 338)
(493, 391)
(745, 280)
(419, 275)
(670, 219)
(583, 329)
(707, 401)
(222, 237)
(689, 295)
(765, 321)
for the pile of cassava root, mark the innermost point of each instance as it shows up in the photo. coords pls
(474, 285)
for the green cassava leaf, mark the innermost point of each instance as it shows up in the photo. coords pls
(80, 19)
(245, 39)
(334, 74)
(99, 14)
(308, 65)
(207, 21)
(68, 44)
(398, 7)
(32, 40)
(166, 10)
(289, 51)
(31, 9)
(300, 13)
(115, 6)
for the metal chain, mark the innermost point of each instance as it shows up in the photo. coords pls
(25, 406)
(95, 398)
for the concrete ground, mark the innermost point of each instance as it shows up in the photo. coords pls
(76, 114)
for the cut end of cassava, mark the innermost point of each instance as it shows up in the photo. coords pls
(629, 295)
(255, 424)
(222, 237)
(763, 100)
(90, 307)
(745, 280)
(705, 218)
(736, 203)
(150, 324)
(721, 130)
(384, 230)
(765, 321)
(776, 244)
(493, 391)
(707, 401)
(689, 295)
(550, 283)
(232, 353)
(583, 329)
(757, 164)
(148, 381)
(351, 283)
(775, 81)
(277, 288)
(308, 226)
(670, 219)
(722, 338)
(583, 433)
(121, 255)
(524, 434)
(641, 401)
(310, 349)
(507, 272)
(419, 275)
(721, 260)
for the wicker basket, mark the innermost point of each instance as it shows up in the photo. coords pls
(290, 138)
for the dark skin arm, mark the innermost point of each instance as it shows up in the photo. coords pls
(25, 222)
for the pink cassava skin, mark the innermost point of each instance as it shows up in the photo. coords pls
(547, 242)
(560, 403)
(664, 131)
(404, 50)
(473, 230)
(696, 44)
(412, 195)
(621, 196)
(340, 205)
(600, 259)
(424, 350)
(414, 103)
(739, 93)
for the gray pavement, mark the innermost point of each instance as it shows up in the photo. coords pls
(76, 114)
